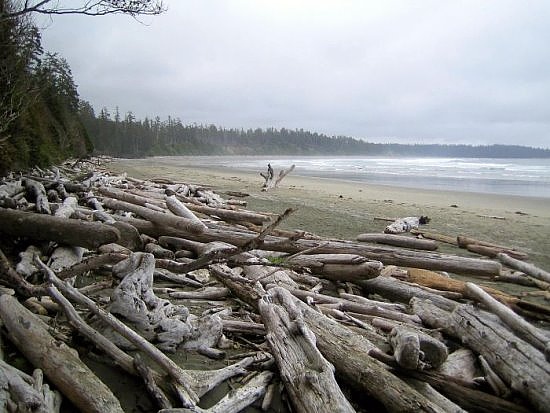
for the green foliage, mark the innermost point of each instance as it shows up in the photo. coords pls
(40, 117)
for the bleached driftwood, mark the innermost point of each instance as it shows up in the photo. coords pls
(527, 268)
(37, 192)
(179, 209)
(170, 220)
(399, 241)
(182, 380)
(306, 374)
(338, 267)
(520, 326)
(156, 318)
(488, 248)
(59, 363)
(335, 343)
(271, 181)
(521, 366)
(460, 364)
(416, 350)
(23, 393)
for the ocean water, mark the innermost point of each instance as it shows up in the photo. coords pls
(524, 177)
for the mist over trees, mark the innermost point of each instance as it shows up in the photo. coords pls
(123, 135)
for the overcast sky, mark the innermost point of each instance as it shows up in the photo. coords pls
(400, 71)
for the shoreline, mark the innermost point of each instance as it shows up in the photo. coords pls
(344, 209)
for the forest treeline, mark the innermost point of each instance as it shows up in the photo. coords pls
(43, 120)
(126, 136)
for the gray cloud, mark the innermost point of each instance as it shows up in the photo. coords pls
(431, 71)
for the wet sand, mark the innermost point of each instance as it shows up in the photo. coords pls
(343, 209)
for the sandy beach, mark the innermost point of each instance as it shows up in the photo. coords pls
(343, 209)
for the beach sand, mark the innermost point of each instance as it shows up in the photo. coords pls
(343, 209)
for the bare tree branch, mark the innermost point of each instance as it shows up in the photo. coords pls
(89, 8)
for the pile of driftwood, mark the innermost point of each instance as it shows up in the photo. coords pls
(379, 314)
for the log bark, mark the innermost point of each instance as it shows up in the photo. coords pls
(49, 228)
(59, 363)
(308, 377)
(521, 366)
(415, 350)
(399, 241)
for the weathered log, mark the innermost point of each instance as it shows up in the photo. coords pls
(170, 220)
(492, 252)
(434, 280)
(37, 192)
(129, 197)
(27, 393)
(401, 225)
(527, 268)
(524, 329)
(26, 266)
(10, 277)
(49, 228)
(396, 290)
(431, 394)
(416, 350)
(521, 366)
(345, 305)
(308, 377)
(158, 251)
(179, 209)
(336, 343)
(337, 267)
(460, 364)
(157, 318)
(471, 243)
(182, 380)
(399, 241)
(67, 208)
(206, 293)
(434, 235)
(387, 255)
(62, 367)
(236, 400)
(91, 264)
(230, 215)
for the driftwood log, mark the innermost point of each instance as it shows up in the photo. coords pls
(521, 366)
(399, 241)
(306, 374)
(335, 343)
(49, 228)
(71, 376)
